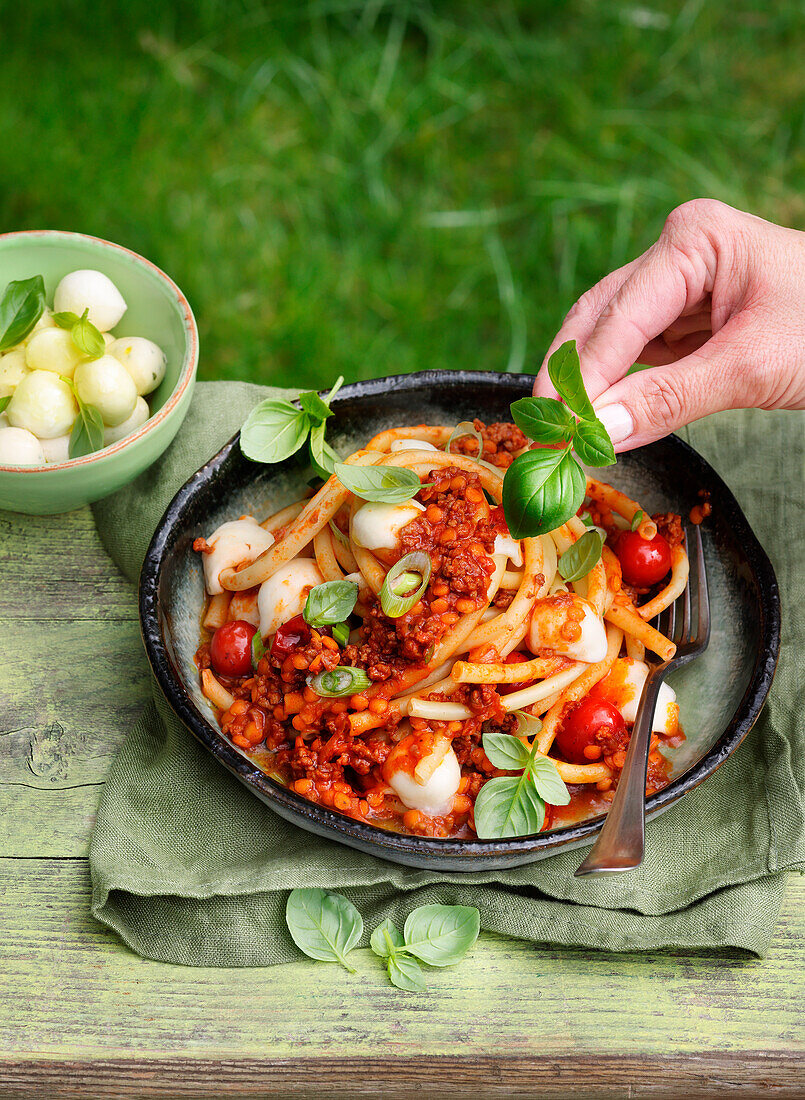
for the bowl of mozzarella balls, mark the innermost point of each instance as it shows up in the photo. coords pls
(98, 357)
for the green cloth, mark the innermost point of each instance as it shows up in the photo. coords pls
(189, 867)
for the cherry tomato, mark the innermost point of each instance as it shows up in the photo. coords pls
(290, 636)
(644, 561)
(592, 721)
(516, 657)
(231, 648)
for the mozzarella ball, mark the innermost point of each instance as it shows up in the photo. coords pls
(510, 548)
(412, 445)
(568, 625)
(53, 349)
(57, 450)
(108, 339)
(130, 424)
(144, 361)
(106, 384)
(42, 404)
(20, 448)
(12, 371)
(90, 290)
(427, 783)
(284, 595)
(378, 526)
(243, 605)
(623, 686)
(238, 542)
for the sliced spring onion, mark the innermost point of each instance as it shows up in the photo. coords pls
(466, 427)
(339, 534)
(341, 633)
(405, 583)
(637, 519)
(258, 649)
(343, 680)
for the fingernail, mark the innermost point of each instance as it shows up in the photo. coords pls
(617, 420)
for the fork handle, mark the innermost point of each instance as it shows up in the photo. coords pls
(621, 842)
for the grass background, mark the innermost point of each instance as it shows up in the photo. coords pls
(367, 188)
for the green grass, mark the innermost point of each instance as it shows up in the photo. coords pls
(367, 188)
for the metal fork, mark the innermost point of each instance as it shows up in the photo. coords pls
(621, 843)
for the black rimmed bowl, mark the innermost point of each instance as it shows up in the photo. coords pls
(720, 695)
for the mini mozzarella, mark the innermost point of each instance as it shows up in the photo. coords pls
(412, 445)
(130, 424)
(45, 321)
(106, 384)
(12, 371)
(58, 449)
(91, 290)
(144, 361)
(378, 526)
(510, 548)
(42, 404)
(625, 684)
(284, 594)
(237, 542)
(433, 797)
(550, 616)
(243, 605)
(20, 448)
(53, 349)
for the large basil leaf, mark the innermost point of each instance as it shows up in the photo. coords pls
(592, 444)
(330, 602)
(508, 806)
(441, 935)
(541, 490)
(324, 925)
(21, 306)
(543, 419)
(273, 431)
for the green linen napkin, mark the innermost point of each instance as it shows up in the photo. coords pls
(188, 867)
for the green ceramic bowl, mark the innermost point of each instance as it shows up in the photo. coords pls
(158, 310)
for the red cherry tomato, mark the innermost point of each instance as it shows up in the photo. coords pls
(516, 657)
(644, 561)
(590, 723)
(291, 636)
(231, 648)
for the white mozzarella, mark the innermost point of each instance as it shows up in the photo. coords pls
(53, 349)
(94, 291)
(510, 548)
(433, 797)
(106, 384)
(20, 448)
(551, 619)
(130, 424)
(243, 605)
(284, 594)
(144, 361)
(624, 686)
(378, 526)
(45, 321)
(12, 371)
(58, 449)
(412, 445)
(42, 404)
(237, 542)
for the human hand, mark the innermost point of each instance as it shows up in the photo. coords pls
(716, 308)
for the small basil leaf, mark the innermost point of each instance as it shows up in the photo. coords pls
(87, 338)
(87, 433)
(258, 649)
(66, 319)
(441, 935)
(508, 806)
(330, 602)
(406, 973)
(637, 518)
(21, 306)
(506, 751)
(317, 409)
(582, 556)
(541, 490)
(341, 633)
(386, 938)
(324, 925)
(322, 454)
(4, 401)
(543, 419)
(340, 681)
(592, 444)
(547, 781)
(273, 431)
(564, 370)
(384, 484)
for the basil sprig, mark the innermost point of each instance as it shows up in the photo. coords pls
(582, 556)
(274, 430)
(439, 935)
(21, 306)
(542, 489)
(323, 924)
(379, 484)
(330, 603)
(514, 805)
(86, 337)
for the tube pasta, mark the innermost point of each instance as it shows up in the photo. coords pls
(624, 616)
(217, 611)
(623, 505)
(283, 517)
(215, 691)
(675, 587)
(325, 555)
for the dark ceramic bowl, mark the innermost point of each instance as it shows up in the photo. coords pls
(720, 695)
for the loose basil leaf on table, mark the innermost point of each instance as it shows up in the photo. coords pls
(330, 603)
(274, 430)
(543, 419)
(87, 433)
(87, 338)
(340, 681)
(582, 556)
(386, 938)
(21, 306)
(592, 443)
(542, 489)
(405, 973)
(326, 926)
(441, 935)
(564, 370)
(379, 484)
(637, 519)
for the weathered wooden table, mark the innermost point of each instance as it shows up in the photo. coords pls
(80, 1015)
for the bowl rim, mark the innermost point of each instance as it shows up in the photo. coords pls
(186, 374)
(391, 845)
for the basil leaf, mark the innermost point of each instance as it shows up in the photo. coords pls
(322, 454)
(21, 306)
(330, 603)
(406, 973)
(341, 633)
(637, 518)
(258, 650)
(339, 382)
(66, 319)
(87, 338)
(547, 781)
(274, 430)
(508, 806)
(4, 401)
(592, 444)
(541, 490)
(317, 409)
(339, 681)
(564, 370)
(87, 433)
(506, 751)
(577, 562)
(383, 484)
(386, 938)
(324, 925)
(527, 724)
(441, 935)
(543, 419)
